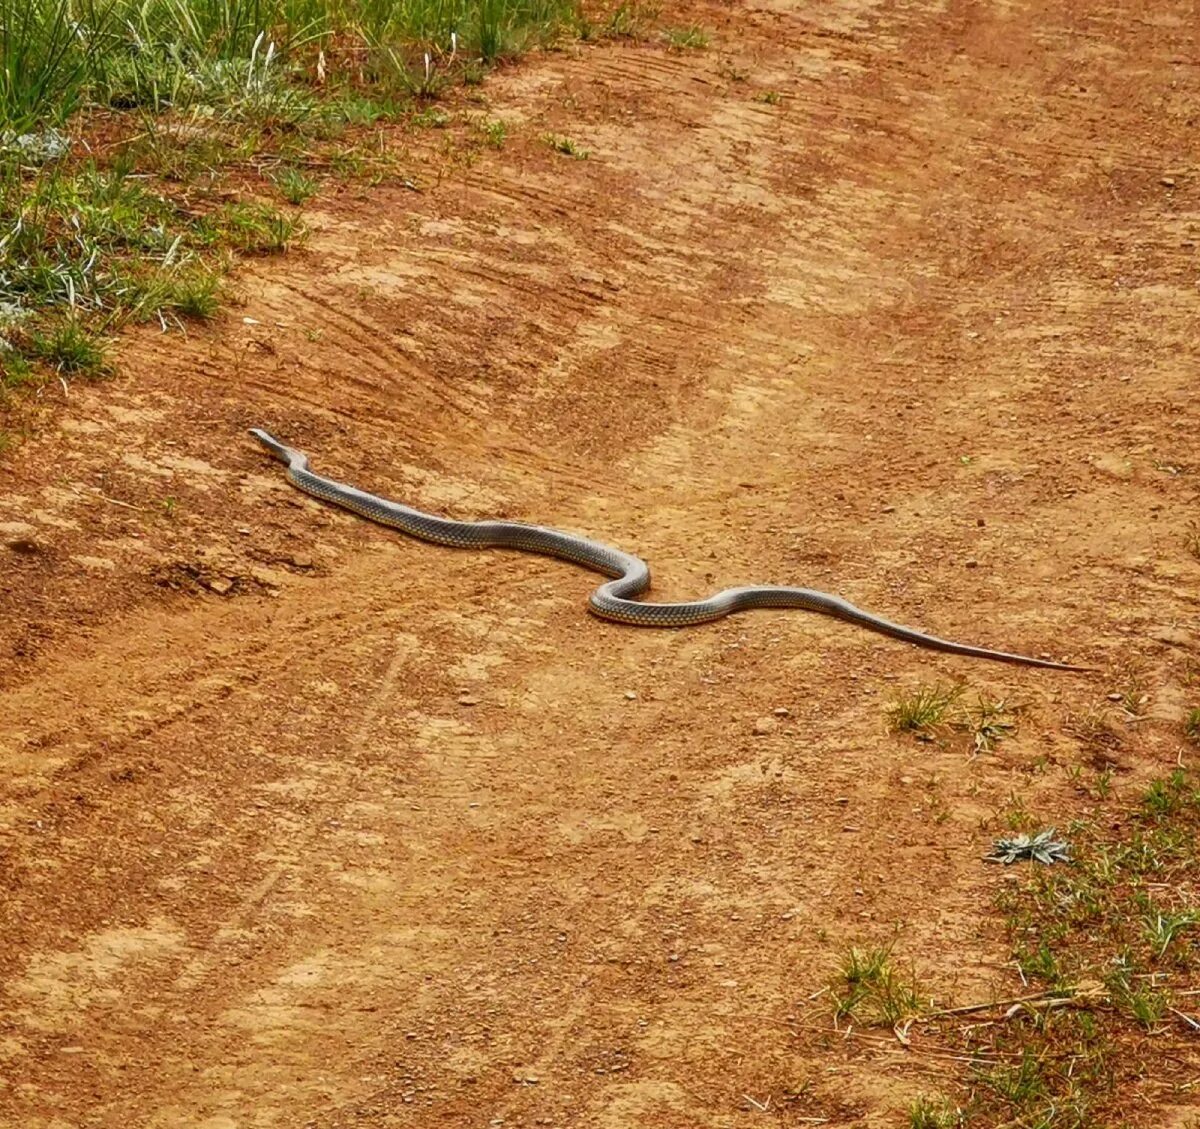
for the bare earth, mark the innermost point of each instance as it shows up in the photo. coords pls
(305, 823)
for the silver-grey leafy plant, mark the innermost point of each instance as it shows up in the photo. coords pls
(1042, 847)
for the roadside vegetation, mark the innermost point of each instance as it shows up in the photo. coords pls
(145, 145)
(1104, 1008)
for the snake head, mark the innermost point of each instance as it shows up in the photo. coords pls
(282, 453)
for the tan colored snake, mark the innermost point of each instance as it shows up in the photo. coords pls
(616, 599)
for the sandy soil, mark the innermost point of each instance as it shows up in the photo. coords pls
(305, 823)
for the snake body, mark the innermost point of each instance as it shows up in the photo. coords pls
(629, 575)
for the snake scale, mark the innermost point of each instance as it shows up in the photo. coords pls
(629, 575)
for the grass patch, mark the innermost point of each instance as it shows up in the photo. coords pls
(1191, 726)
(869, 989)
(295, 186)
(567, 147)
(71, 349)
(923, 709)
(691, 38)
(934, 1113)
(141, 142)
(494, 133)
(929, 710)
(1103, 1016)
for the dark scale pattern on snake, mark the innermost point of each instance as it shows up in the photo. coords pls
(617, 599)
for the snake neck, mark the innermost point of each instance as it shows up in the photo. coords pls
(297, 461)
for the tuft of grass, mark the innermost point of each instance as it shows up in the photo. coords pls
(768, 97)
(567, 147)
(71, 349)
(295, 186)
(189, 90)
(923, 709)
(869, 989)
(254, 228)
(1163, 929)
(691, 38)
(432, 117)
(1191, 726)
(989, 723)
(197, 295)
(495, 132)
(934, 1113)
(1166, 798)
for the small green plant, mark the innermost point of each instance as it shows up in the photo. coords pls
(1017, 817)
(253, 228)
(923, 709)
(692, 38)
(1141, 1000)
(1019, 1085)
(494, 132)
(934, 1113)
(196, 295)
(1043, 964)
(567, 147)
(625, 21)
(1191, 726)
(431, 117)
(70, 348)
(295, 186)
(1165, 798)
(870, 989)
(1162, 929)
(990, 723)
(768, 97)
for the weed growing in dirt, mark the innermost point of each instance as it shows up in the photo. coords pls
(69, 348)
(295, 186)
(870, 990)
(1108, 951)
(934, 1113)
(929, 709)
(923, 709)
(494, 133)
(566, 146)
(1191, 726)
(693, 38)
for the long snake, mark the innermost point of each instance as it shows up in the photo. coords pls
(630, 576)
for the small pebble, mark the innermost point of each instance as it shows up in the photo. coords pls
(763, 726)
(971, 562)
(782, 711)
(1167, 182)
(468, 700)
(889, 509)
(631, 695)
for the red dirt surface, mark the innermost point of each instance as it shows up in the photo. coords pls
(305, 823)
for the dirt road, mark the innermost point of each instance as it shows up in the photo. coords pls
(308, 824)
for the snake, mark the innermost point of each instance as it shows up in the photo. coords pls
(629, 576)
